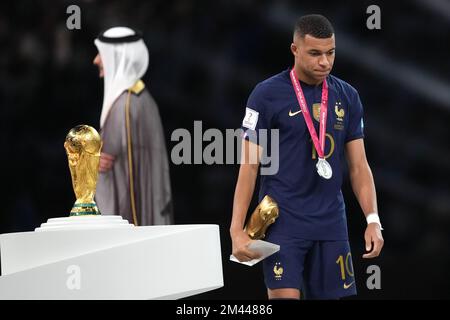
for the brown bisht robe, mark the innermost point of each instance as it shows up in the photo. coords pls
(150, 179)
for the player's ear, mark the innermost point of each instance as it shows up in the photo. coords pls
(294, 49)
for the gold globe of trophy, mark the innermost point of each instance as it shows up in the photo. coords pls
(262, 217)
(83, 145)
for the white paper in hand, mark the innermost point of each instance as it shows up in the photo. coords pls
(264, 249)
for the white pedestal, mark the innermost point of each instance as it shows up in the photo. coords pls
(153, 262)
(84, 223)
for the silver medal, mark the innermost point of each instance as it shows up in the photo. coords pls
(324, 169)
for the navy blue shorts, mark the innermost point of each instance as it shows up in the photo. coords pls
(319, 269)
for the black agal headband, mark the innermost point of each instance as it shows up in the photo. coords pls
(131, 38)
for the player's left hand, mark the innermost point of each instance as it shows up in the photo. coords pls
(374, 240)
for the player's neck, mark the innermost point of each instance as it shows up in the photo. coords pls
(304, 78)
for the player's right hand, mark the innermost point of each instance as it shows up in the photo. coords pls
(374, 240)
(241, 241)
(106, 162)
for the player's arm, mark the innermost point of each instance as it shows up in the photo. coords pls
(363, 185)
(248, 172)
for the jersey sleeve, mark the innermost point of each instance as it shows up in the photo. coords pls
(257, 117)
(356, 122)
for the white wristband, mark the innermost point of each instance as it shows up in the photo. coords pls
(374, 218)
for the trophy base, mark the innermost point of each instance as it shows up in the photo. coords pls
(87, 222)
(84, 213)
(84, 209)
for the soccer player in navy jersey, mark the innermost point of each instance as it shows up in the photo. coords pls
(320, 123)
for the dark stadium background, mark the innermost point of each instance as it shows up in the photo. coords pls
(205, 58)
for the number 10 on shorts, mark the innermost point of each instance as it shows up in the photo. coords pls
(345, 265)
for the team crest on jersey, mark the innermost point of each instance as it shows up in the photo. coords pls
(316, 111)
(278, 271)
(340, 113)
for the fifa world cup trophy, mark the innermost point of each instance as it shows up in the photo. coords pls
(83, 145)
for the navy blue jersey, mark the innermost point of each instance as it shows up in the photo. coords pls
(311, 207)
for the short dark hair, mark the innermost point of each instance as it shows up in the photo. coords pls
(315, 25)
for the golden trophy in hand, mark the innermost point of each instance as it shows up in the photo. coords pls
(83, 145)
(262, 217)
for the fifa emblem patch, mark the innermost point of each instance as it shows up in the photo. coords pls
(250, 119)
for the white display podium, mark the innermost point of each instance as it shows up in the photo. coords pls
(110, 261)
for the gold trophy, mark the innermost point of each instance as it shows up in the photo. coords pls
(83, 145)
(264, 215)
